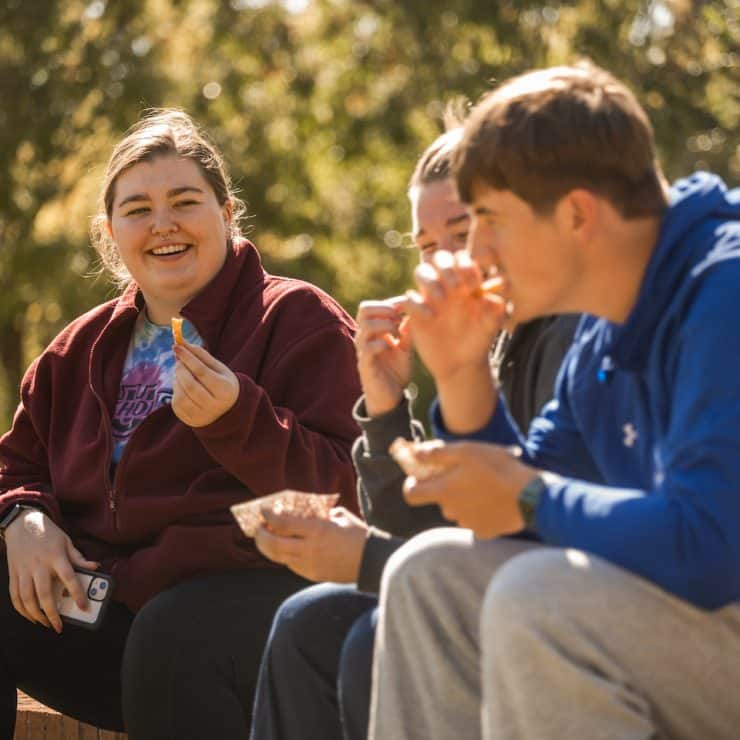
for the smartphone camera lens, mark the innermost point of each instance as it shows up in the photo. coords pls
(97, 589)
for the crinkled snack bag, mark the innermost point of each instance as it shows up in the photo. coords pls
(249, 515)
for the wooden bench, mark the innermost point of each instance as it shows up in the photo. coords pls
(34, 721)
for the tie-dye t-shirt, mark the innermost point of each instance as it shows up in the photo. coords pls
(146, 383)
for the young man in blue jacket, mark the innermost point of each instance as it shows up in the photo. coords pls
(626, 623)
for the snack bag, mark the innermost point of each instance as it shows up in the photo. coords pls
(249, 516)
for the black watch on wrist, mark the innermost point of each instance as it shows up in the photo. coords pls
(13, 513)
(529, 498)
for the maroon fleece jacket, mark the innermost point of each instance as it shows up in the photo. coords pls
(163, 516)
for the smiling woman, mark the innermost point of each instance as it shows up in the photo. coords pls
(172, 240)
(127, 452)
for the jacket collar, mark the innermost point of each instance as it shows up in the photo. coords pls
(207, 309)
(208, 312)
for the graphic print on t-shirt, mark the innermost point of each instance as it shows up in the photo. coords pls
(146, 382)
(141, 392)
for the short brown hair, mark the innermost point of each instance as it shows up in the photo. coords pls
(549, 131)
(159, 132)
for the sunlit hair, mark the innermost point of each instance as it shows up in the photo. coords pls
(550, 131)
(159, 132)
(436, 161)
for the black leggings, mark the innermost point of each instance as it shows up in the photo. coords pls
(183, 667)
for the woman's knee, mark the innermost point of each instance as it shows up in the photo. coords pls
(164, 637)
(299, 619)
(314, 619)
(174, 651)
(149, 645)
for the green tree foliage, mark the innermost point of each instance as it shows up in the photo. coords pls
(321, 108)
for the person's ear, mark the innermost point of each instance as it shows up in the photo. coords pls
(581, 213)
(109, 228)
(228, 213)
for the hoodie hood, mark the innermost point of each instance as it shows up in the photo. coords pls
(694, 235)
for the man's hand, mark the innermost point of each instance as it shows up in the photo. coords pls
(384, 355)
(453, 323)
(317, 549)
(478, 488)
(39, 553)
(204, 389)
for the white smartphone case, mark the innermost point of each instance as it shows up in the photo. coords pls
(98, 588)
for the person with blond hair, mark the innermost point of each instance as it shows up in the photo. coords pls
(127, 451)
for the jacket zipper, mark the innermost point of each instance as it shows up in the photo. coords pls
(111, 486)
(110, 489)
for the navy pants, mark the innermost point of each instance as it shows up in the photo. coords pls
(183, 667)
(316, 671)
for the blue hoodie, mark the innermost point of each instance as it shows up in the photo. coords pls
(645, 423)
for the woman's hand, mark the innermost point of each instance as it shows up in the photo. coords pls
(38, 554)
(317, 549)
(383, 355)
(204, 389)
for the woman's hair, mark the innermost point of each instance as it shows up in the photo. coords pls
(435, 163)
(159, 132)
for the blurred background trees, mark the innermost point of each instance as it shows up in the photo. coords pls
(321, 108)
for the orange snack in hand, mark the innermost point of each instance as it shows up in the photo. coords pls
(177, 331)
(492, 285)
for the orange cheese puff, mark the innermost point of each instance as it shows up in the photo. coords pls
(177, 331)
(492, 285)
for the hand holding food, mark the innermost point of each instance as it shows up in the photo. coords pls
(454, 315)
(475, 484)
(204, 389)
(404, 452)
(320, 549)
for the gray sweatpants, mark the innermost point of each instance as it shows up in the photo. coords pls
(506, 639)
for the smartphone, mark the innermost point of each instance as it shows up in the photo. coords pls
(98, 587)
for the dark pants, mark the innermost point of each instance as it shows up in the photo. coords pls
(183, 667)
(316, 671)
